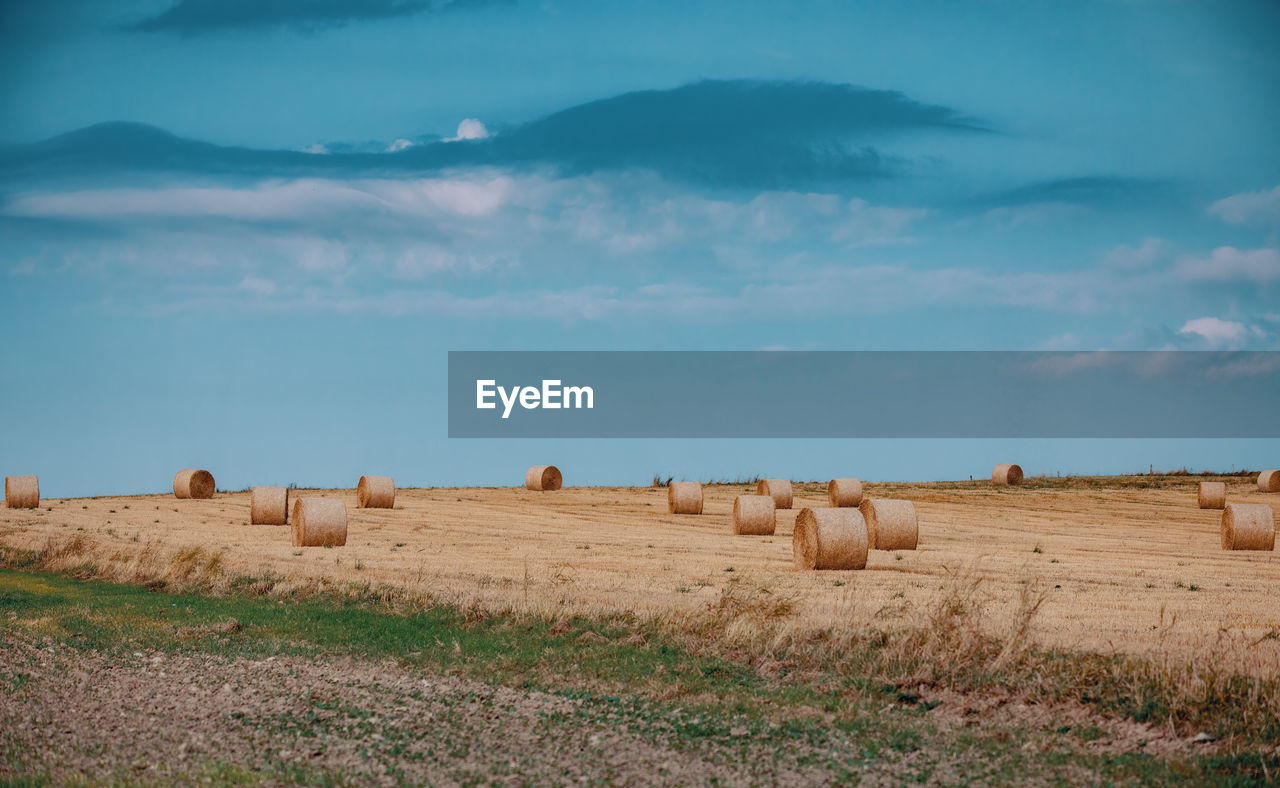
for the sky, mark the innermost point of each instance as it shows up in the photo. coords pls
(244, 235)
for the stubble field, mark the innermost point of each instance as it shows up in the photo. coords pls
(1125, 565)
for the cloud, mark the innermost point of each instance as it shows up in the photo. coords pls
(765, 135)
(398, 145)
(803, 255)
(623, 214)
(1249, 208)
(777, 216)
(469, 129)
(823, 293)
(1229, 264)
(197, 17)
(307, 201)
(258, 285)
(1139, 258)
(1216, 332)
(743, 132)
(1095, 191)
(1011, 216)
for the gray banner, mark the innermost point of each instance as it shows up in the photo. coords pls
(863, 394)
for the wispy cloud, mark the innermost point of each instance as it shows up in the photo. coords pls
(1229, 264)
(625, 213)
(1249, 208)
(1138, 258)
(196, 17)
(1095, 191)
(821, 294)
(307, 200)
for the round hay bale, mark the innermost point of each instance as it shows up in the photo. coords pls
(844, 492)
(1212, 495)
(543, 477)
(1248, 526)
(375, 492)
(684, 498)
(191, 483)
(269, 506)
(1005, 473)
(754, 515)
(21, 492)
(777, 489)
(830, 539)
(319, 522)
(1269, 481)
(891, 524)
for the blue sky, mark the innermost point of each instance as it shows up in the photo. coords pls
(243, 235)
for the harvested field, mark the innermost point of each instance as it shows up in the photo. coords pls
(1125, 565)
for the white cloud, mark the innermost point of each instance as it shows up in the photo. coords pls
(316, 148)
(1229, 264)
(1129, 258)
(480, 196)
(306, 200)
(1216, 332)
(469, 129)
(399, 145)
(258, 285)
(1249, 208)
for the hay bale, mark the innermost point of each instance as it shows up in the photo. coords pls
(684, 498)
(376, 492)
(891, 524)
(1269, 481)
(191, 483)
(830, 539)
(844, 492)
(1212, 495)
(777, 489)
(1248, 526)
(543, 477)
(754, 515)
(21, 492)
(269, 506)
(1006, 473)
(319, 522)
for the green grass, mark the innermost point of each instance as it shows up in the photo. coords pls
(644, 683)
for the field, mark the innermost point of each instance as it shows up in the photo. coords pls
(1120, 567)
(1032, 595)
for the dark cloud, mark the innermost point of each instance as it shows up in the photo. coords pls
(734, 132)
(729, 133)
(1094, 191)
(109, 148)
(193, 17)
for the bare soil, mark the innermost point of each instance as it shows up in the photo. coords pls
(152, 717)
